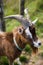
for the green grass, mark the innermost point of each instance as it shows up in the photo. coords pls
(28, 49)
(23, 58)
(15, 63)
(3, 61)
(11, 25)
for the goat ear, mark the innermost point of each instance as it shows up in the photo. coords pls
(20, 31)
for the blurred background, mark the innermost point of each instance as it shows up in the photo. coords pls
(35, 8)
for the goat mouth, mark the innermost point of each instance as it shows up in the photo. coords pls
(37, 45)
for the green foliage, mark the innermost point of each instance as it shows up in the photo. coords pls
(23, 58)
(40, 5)
(15, 63)
(39, 29)
(28, 49)
(11, 24)
(3, 61)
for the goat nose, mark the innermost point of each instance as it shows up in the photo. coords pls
(39, 44)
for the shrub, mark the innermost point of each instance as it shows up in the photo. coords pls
(28, 49)
(3, 61)
(23, 59)
(15, 63)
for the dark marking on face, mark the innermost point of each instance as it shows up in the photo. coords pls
(33, 32)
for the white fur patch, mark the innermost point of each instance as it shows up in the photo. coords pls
(18, 60)
(28, 33)
(36, 44)
(1, 32)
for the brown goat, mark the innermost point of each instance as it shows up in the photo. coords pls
(7, 44)
(12, 43)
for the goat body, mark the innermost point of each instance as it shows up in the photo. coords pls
(7, 44)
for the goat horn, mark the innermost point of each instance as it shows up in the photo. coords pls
(20, 18)
(35, 21)
(27, 15)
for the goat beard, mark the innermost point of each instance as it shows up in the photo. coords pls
(34, 49)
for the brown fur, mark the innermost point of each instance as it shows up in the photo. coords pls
(7, 46)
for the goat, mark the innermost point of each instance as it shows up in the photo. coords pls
(12, 43)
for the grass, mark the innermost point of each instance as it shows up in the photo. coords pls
(28, 49)
(15, 63)
(3, 61)
(23, 58)
(11, 25)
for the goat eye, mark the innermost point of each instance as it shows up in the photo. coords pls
(20, 31)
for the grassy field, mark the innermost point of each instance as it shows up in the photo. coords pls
(35, 8)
